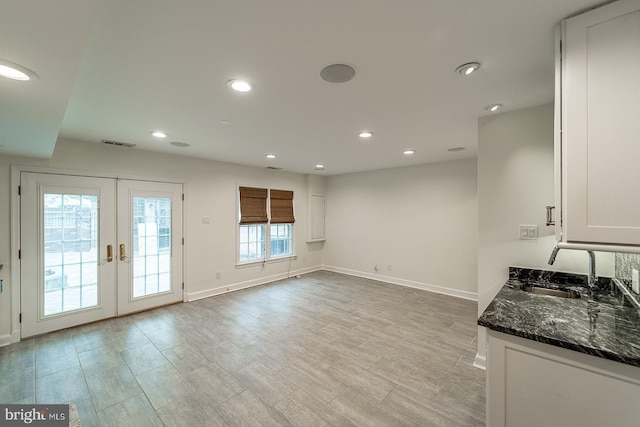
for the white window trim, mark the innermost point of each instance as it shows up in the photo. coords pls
(265, 262)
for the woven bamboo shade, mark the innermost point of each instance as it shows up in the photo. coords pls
(281, 207)
(253, 205)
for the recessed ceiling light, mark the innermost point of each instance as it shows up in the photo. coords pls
(159, 134)
(179, 144)
(224, 122)
(240, 85)
(493, 107)
(271, 156)
(454, 149)
(468, 68)
(319, 167)
(365, 134)
(14, 71)
(409, 152)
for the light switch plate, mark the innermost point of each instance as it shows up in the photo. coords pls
(528, 232)
(635, 281)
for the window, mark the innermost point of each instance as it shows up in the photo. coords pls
(281, 218)
(262, 236)
(280, 240)
(252, 242)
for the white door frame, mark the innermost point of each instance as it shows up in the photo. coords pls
(16, 170)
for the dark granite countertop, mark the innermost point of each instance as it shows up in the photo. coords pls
(603, 324)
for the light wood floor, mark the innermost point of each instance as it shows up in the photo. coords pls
(322, 349)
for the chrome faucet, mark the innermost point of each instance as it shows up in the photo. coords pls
(592, 280)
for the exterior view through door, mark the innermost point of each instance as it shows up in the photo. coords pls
(94, 248)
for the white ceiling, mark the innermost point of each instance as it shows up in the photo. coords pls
(118, 69)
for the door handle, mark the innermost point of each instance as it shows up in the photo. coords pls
(550, 220)
(109, 253)
(123, 257)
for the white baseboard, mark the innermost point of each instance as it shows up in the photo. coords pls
(480, 362)
(402, 282)
(5, 340)
(193, 296)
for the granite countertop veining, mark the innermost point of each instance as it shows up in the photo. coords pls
(603, 324)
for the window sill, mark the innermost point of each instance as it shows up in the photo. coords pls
(265, 261)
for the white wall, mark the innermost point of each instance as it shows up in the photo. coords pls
(515, 183)
(450, 227)
(417, 224)
(210, 191)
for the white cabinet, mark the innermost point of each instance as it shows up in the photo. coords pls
(317, 220)
(535, 384)
(599, 112)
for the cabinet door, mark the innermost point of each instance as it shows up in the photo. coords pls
(317, 224)
(531, 384)
(601, 125)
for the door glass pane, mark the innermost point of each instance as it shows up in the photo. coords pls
(151, 245)
(70, 252)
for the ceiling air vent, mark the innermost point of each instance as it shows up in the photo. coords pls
(273, 168)
(117, 144)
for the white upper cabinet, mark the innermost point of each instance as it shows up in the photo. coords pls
(599, 145)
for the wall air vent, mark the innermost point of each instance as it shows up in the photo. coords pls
(117, 144)
(273, 168)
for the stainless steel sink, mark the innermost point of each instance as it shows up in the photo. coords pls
(552, 292)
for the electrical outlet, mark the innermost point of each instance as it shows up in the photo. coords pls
(528, 232)
(389, 267)
(218, 275)
(206, 220)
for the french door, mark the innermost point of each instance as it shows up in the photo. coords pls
(149, 245)
(94, 248)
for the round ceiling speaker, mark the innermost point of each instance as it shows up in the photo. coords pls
(337, 73)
